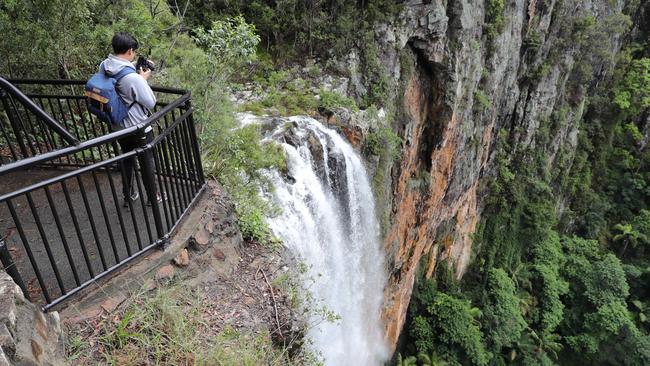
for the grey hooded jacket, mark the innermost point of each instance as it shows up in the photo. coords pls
(132, 88)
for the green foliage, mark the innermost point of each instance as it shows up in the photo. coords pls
(408, 361)
(455, 324)
(230, 42)
(502, 316)
(422, 332)
(548, 259)
(633, 92)
(376, 77)
(293, 28)
(290, 30)
(628, 235)
(540, 72)
(330, 100)
(598, 324)
(482, 99)
(282, 93)
(494, 18)
(120, 336)
(234, 156)
(237, 164)
(532, 41)
(383, 142)
(67, 39)
(431, 359)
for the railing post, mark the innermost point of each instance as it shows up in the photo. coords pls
(195, 144)
(10, 267)
(149, 179)
(14, 124)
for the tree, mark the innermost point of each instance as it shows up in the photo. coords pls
(548, 284)
(456, 328)
(229, 43)
(502, 318)
(598, 326)
(537, 350)
(627, 235)
(409, 361)
(633, 92)
(431, 359)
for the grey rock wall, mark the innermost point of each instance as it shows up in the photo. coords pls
(28, 336)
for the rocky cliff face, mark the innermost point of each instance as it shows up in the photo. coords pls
(467, 75)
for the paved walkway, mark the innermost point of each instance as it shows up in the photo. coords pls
(111, 233)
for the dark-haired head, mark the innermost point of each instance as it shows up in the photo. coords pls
(122, 42)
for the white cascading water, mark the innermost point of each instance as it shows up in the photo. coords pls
(328, 220)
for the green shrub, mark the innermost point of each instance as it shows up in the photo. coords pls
(633, 92)
(502, 319)
(330, 100)
(383, 142)
(236, 159)
(482, 99)
(455, 325)
(494, 18)
(532, 41)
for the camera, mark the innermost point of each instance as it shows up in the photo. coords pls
(144, 64)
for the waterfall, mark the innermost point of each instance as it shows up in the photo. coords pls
(328, 220)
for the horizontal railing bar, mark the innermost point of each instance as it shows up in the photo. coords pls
(55, 96)
(160, 89)
(31, 161)
(69, 175)
(79, 97)
(39, 159)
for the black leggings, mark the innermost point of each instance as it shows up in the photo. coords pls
(130, 143)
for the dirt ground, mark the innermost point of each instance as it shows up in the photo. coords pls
(240, 283)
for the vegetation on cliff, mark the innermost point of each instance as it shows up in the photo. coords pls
(560, 271)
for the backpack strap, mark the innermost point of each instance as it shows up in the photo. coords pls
(124, 72)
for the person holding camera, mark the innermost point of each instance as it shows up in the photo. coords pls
(134, 89)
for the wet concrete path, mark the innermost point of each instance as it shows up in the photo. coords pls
(93, 215)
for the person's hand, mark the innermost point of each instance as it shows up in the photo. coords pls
(145, 74)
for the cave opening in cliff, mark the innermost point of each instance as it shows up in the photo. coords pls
(432, 110)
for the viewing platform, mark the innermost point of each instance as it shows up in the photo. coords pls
(63, 221)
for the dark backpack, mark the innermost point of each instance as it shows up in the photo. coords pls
(103, 99)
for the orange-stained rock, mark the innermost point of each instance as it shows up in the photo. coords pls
(182, 259)
(418, 214)
(354, 135)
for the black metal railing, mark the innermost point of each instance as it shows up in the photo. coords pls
(63, 224)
